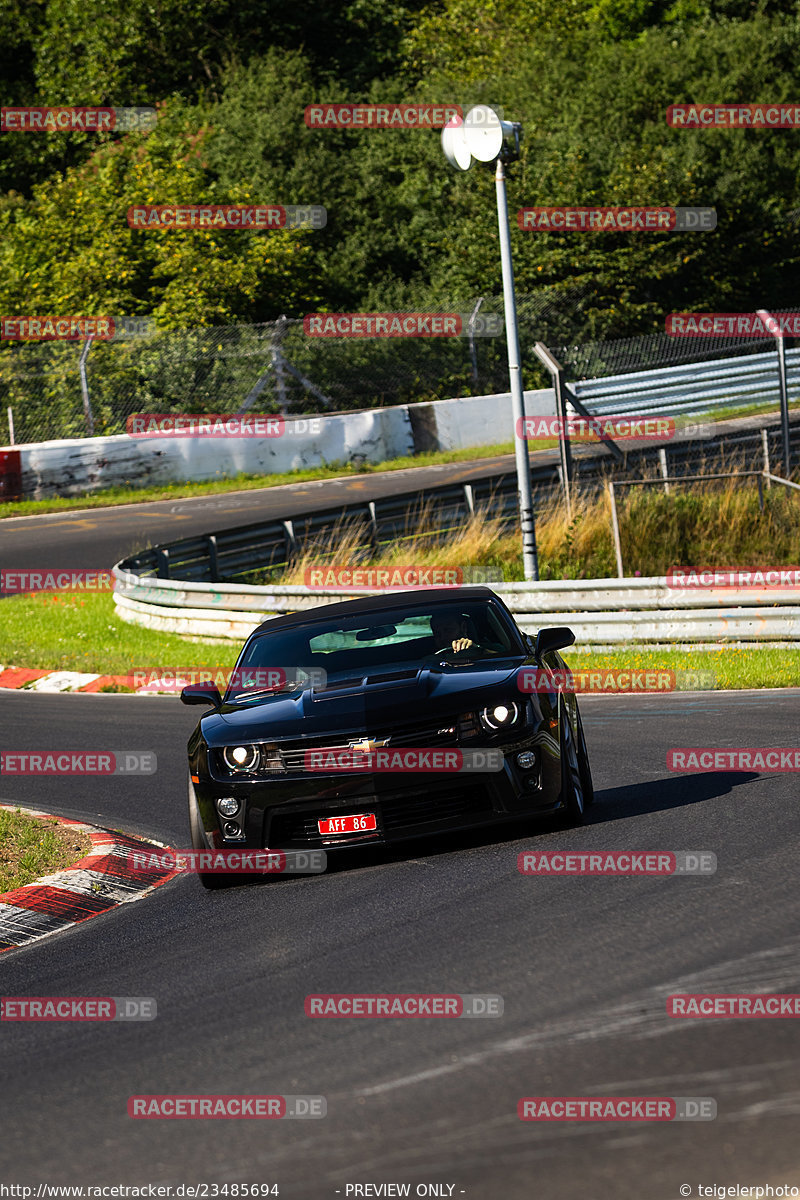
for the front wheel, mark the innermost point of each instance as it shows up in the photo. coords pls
(572, 794)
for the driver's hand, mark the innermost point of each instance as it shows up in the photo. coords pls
(461, 644)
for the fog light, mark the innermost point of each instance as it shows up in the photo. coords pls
(231, 829)
(228, 806)
(526, 759)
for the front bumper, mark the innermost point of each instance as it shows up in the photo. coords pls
(282, 813)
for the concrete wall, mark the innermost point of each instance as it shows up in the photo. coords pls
(77, 465)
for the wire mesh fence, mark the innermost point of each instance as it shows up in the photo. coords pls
(275, 367)
(622, 356)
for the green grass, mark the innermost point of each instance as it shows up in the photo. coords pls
(85, 634)
(111, 497)
(77, 633)
(31, 847)
(759, 667)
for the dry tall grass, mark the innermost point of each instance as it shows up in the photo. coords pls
(699, 524)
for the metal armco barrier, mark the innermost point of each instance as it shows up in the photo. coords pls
(10, 475)
(690, 387)
(231, 555)
(600, 611)
(190, 586)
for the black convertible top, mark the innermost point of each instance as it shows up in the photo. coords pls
(377, 604)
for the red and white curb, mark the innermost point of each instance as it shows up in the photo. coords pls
(33, 679)
(102, 880)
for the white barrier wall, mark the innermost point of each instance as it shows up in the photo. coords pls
(78, 465)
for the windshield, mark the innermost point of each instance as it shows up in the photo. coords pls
(394, 640)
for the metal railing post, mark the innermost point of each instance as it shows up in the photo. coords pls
(615, 530)
(87, 408)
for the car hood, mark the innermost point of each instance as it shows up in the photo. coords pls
(374, 701)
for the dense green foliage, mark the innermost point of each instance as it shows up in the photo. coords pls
(589, 79)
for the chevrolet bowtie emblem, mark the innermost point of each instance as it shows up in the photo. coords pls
(367, 745)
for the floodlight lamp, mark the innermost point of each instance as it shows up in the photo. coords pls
(455, 147)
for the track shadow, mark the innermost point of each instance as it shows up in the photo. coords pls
(611, 804)
(659, 795)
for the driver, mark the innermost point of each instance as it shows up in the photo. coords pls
(450, 630)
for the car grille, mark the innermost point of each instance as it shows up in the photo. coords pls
(293, 753)
(395, 812)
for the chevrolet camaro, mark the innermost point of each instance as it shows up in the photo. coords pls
(385, 718)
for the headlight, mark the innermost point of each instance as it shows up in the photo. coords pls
(526, 759)
(241, 758)
(499, 716)
(228, 806)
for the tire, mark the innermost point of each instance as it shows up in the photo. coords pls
(573, 810)
(211, 882)
(586, 770)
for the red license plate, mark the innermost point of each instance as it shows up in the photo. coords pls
(354, 824)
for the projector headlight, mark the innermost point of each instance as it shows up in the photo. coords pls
(241, 758)
(499, 716)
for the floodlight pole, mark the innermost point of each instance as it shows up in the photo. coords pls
(530, 561)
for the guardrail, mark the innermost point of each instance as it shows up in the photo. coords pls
(690, 387)
(233, 554)
(602, 612)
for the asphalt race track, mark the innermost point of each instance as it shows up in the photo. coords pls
(584, 966)
(100, 537)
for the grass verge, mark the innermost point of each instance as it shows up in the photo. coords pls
(31, 847)
(85, 634)
(759, 667)
(111, 497)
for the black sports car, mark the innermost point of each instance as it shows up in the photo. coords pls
(298, 764)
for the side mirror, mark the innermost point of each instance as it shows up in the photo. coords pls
(201, 693)
(557, 637)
